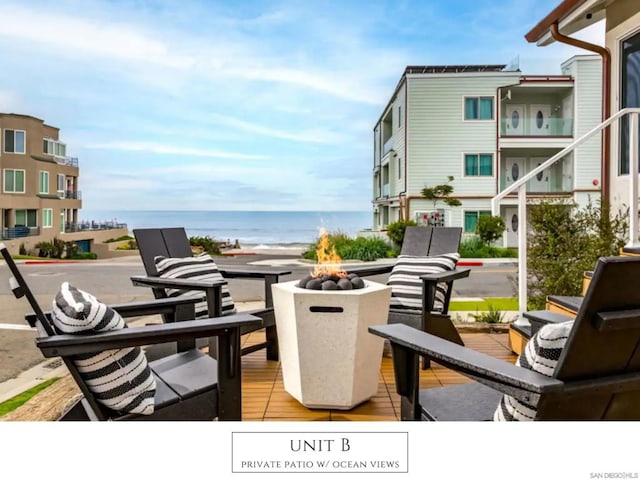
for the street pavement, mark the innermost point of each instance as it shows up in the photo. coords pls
(109, 280)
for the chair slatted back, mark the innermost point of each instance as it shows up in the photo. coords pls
(445, 240)
(416, 241)
(165, 242)
(604, 343)
(430, 241)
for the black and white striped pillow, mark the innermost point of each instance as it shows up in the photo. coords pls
(200, 267)
(119, 379)
(405, 283)
(540, 355)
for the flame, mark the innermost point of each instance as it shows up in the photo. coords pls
(328, 259)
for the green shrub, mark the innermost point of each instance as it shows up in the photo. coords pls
(565, 242)
(57, 249)
(85, 256)
(490, 228)
(130, 245)
(119, 239)
(474, 247)
(492, 316)
(360, 248)
(395, 231)
(208, 244)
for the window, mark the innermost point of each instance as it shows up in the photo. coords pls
(54, 147)
(478, 108)
(471, 219)
(62, 221)
(26, 218)
(47, 217)
(629, 95)
(61, 185)
(43, 182)
(399, 168)
(14, 141)
(399, 116)
(478, 165)
(13, 181)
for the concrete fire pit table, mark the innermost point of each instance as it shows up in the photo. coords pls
(328, 358)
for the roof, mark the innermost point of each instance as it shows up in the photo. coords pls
(453, 68)
(570, 15)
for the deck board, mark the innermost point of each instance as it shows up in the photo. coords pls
(265, 399)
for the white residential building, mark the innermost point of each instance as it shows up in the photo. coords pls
(485, 125)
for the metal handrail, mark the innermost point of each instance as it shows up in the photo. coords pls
(521, 186)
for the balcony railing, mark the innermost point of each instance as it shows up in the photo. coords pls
(64, 160)
(19, 232)
(551, 127)
(73, 194)
(388, 146)
(92, 225)
(550, 181)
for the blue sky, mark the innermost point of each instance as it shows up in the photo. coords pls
(240, 105)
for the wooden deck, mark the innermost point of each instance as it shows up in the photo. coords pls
(265, 399)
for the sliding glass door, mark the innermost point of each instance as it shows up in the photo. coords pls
(629, 93)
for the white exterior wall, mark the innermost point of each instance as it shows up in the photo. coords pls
(396, 179)
(438, 136)
(619, 191)
(587, 72)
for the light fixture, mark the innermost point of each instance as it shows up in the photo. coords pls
(507, 96)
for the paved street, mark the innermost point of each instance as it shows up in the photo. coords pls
(109, 281)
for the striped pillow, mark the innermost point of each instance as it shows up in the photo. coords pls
(406, 285)
(540, 355)
(200, 267)
(119, 379)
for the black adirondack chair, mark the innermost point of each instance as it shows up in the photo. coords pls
(597, 376)
(173, 242)
(427, 241)
(190, 385)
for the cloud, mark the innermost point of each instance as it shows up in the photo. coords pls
(168, 149)
(61, 32)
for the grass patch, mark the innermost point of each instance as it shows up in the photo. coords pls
(497, 303)
(26, 257)
(19, 400)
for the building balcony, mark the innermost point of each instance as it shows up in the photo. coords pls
(64, 160)
(73, 194)
(388, 146)
(87, 225)
(550, 127)
(19, 232)
(549, 181)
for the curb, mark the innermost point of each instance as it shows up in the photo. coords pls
(470, 263)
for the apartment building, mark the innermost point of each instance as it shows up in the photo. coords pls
(486, 126)
(39, 199)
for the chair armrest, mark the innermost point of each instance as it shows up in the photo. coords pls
(65, 345)
(137, 309)
(540, 318)
(251, 273)
(446, 276)
(179, 283)
(497, 374)
(370, 270)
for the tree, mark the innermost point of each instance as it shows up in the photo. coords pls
(490, 228)
(441, 192)
(567, 241)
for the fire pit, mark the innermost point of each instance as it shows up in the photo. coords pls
(328, 357)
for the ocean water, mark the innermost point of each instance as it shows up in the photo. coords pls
(249, 228)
